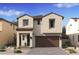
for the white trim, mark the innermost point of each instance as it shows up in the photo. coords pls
(60, 43)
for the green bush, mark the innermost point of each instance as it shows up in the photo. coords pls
(66, 44)
(2, 50)
(2, 47)
(71, 51)
(17, 51)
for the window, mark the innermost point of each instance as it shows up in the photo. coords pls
(75, 19)
(25, 22)
(51, 23)
(70, 24)
(38, 22)
(23, 37)
(11, 24)
(78, 38)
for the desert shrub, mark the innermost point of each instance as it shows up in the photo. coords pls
(2, 49)
(71, 51)
(17, 51)
(64, 46)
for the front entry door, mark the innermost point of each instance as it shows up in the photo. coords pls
(25, 40)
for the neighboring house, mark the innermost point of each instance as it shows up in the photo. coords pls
(39, 31)
(7, 32)
(72, 30)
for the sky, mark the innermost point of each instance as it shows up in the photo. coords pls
(10, 11)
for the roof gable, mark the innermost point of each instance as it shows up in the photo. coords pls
(55, 14)
(40, 16)
(24, 15)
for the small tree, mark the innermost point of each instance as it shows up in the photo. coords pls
(64, 30)
(15, 22)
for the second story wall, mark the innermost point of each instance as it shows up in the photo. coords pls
(37, 27)
(0, 25)
(25, 22)
(45, 26)
(72, 26)
(8, 32)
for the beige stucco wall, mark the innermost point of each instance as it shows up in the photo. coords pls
(45, 24)
(7, 33)
(37, 28)
(0, 25)
(30, 23)
(40, 29)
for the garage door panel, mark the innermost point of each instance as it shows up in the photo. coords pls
(42, 41)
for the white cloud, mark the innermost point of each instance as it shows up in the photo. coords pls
(42, 13)
(11, 12)
(66, 5)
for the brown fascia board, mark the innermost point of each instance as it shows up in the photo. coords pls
(24, 15)
(74, 18)
(6, 20)
(38, 17)
(52, 33)
(24, 29)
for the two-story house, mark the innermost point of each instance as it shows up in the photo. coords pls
(7, 32)
(72, 30)
(39, 31)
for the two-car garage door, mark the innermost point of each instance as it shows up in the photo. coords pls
(47, 41)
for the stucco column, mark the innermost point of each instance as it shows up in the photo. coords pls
(33, 41)
(22, 44)
(17, 39)
(30, 39)
(60, 43)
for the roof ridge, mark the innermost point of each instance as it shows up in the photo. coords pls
(41, 15)
(6, 20)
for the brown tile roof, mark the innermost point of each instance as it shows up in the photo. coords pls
(38, 17)
(24, 29)
(74, 18)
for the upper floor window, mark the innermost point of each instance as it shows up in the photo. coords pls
(25, 22)
(51, 23)
(75, 19)
(38, 22)
(11, 24)
(70, 24)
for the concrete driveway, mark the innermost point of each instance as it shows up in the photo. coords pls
(47, 51)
